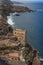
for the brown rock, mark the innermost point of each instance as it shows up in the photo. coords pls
(5, 28)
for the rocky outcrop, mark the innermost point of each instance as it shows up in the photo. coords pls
(12, 8)
(20, 9)
(5, 28)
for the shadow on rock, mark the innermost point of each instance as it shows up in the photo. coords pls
(2, 62)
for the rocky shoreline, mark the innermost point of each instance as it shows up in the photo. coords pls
(20, 9)
(12, 8)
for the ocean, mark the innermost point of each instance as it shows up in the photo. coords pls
(33, 23)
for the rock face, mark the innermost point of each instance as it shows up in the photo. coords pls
(5, 28)
(6, 32)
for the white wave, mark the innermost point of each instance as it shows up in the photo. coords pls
(10, 19)
(41, 59)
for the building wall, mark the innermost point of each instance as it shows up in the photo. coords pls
(21, 34)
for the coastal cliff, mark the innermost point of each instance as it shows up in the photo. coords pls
(12, 47)
(20, 9)
(14, 8)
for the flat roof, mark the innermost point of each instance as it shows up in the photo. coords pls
(20, 29)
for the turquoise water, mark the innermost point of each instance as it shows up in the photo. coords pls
(33, 23)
